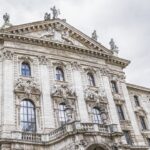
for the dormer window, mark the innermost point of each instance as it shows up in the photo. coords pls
(25, 69)
(91, 80)
(114, 87)
(136, 100)
(59, 74)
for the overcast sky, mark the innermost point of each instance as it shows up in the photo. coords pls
(127, 21)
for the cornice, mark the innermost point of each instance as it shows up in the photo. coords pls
(58, 45)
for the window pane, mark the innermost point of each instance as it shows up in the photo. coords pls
(25, 69)
(96, 115)
(27, 116)
(59, 74)
(62, 113)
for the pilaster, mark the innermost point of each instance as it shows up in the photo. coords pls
(79, 92)
(47, 104)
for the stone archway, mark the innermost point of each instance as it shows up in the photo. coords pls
(96, 147)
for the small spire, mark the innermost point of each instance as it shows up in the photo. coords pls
(94, 35)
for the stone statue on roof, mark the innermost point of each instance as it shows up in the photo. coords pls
(55, 12)
(113, 45)
(6, 18)
(94, 35)
(47, 16)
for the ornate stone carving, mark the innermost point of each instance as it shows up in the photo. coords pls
(50, 34)
(59, 64)
(90, 69)
(7, 54)
(75, 65)
(66, 38)
(55, 12)
(28, 86)
(26, 58)
(92, 95)
(43, 60)
(104, 71)
(63, 90)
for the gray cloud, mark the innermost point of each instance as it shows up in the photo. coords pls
(126, 21)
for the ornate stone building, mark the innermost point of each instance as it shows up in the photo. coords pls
(62, 90)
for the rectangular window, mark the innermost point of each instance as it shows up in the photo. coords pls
(128, 137)
(142, 121)
(114, 86)
(120, 112)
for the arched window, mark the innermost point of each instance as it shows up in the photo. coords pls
(27, 116)
(96, 115)
(62, 113)
(136, 100)
(59, 74)
(25, 69)
(91, 80)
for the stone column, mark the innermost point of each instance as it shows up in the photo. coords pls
(114, 119)
(47, 104)
(79, 92)
(132, 114)
(8, 103)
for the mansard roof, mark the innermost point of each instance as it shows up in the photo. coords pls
(91, 47)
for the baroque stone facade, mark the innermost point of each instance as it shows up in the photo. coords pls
(62, 90)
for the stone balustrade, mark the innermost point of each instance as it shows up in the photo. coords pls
(69, 128)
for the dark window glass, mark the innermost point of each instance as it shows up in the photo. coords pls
(27, 116)
(91, 79)
(62, 113)
(136, 99)
(96, 115)
(25, 69)
(148, 141)
(114, 87)
(120, 112)
(128, 137)
(59, 74)
(143, 124)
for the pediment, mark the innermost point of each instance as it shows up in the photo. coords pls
(57, 31)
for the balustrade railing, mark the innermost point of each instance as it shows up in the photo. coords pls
(60, 132)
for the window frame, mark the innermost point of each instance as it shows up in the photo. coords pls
(136, 101)
(62, 116)
(25, 69)
(91, 79)
(59, 74)
(120, 112)
(27, 111)
(143, 123)
(114, 87)
(96, 115)
(128, 137)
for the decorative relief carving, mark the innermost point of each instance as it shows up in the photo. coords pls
(25, 58)
(64, 91)
(59, 64)
(50, 33)
(75, 65)
(65, 36)
(92, 94)
(89, 69)
(28, 86)
(104, 71)
(43, 60)
(7, 54)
